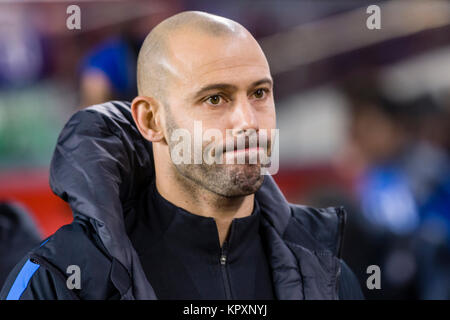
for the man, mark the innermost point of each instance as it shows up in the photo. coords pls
(149, 227)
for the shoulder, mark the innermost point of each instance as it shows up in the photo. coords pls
(349, 286)
(74, 244)
(323, 228)
(317, 228)
(44, 271)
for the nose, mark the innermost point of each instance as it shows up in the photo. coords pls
(243, 118)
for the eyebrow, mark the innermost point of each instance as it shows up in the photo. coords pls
(229, 87)
(262, 81)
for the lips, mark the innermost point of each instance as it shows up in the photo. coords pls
(234, 149)
(246, 146)
(257, 149)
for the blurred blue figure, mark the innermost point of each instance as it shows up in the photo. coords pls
(433, 239)
(22, 56)
(404, 191)
(108, 72)
(387, 200)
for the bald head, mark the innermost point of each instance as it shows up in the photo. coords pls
(156, 66)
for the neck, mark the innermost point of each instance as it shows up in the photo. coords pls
(197, 200)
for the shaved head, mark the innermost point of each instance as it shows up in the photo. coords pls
(155, 67)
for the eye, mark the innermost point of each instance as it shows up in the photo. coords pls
(214, 100)
(260, 93)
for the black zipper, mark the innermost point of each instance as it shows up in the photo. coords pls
(223, 268)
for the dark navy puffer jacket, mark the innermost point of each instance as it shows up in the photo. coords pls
(100, 164)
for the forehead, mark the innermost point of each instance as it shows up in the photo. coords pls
(201, 58)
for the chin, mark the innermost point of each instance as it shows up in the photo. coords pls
(235, 180)
(243, 180)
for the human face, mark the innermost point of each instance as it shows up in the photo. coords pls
(225, 84)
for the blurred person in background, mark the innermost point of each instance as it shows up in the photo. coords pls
(402, 190)
(108, 70)
(22, 52)
(427, 165)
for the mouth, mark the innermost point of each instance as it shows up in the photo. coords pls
(246, 153)
(246, 150)
(234, 148)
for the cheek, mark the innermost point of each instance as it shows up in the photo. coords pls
(182, 117)
(267, 119)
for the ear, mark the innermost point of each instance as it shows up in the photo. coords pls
(146, 113)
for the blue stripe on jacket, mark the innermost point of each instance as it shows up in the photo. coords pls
(22, 280)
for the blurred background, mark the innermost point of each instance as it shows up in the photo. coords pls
(363, 116)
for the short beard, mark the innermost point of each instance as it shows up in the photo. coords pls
(226, 180)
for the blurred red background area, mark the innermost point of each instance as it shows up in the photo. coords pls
(31, 189)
